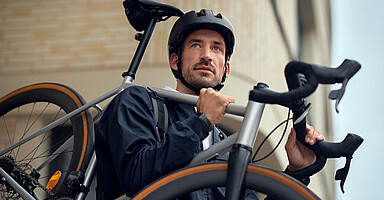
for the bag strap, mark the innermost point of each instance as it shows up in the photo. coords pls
(160, 114)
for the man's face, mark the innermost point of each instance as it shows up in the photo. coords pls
(203, 58)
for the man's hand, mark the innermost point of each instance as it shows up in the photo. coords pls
(213, 104)
(299, 155)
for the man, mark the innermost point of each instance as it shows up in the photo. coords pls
(130, 157)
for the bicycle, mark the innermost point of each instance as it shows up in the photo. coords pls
(23, 178)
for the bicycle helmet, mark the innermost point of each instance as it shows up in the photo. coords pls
(192, 21)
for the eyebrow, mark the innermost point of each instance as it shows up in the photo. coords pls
(199, 40)
(218, 43)
(194, 40)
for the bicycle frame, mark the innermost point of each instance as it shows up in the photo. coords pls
(247, 135)
(127, 82)
(239, 144)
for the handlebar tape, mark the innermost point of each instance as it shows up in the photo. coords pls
(314, 75)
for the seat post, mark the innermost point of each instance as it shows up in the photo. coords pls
(140, 51)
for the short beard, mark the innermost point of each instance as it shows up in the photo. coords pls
(198, 83)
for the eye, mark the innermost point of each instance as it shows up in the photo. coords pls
(218, 48)
(195, 45)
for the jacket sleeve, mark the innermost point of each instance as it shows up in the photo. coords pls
(137, 158)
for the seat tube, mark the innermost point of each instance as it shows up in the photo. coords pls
(242, 150)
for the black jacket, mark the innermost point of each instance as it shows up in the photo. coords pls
(128, 156)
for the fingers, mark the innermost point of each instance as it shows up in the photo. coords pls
(230, 99)
(213, 104)
(222, 99)
(313, 135)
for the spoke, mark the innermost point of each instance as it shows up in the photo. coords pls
(14, 132)
(35, 150)
(26, 125)
(45, 134)
(57, 144)
(29, 118)
(11, 152)
(45, 154)
(65, 146)
(6, 128)
(41, 156)
(33, 123)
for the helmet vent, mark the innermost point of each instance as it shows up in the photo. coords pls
(201, 13)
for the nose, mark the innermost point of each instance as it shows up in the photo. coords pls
(206, 54)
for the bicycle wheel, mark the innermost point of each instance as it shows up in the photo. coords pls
(260, 179)
(66, 148)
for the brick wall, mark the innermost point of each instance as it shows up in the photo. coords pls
(43, 35)
(62, 35)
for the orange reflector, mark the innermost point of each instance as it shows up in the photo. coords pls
(53, 180)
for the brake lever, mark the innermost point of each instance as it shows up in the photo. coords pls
(322, 149)
(338, 94)
(342, 75)
(345, 148)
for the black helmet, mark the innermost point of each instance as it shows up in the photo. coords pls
(192, 21)
(205, 19)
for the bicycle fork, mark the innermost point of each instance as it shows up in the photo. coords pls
(241, 152)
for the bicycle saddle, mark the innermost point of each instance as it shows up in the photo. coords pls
(140, 12)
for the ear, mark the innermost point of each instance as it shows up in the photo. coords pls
(174, 60)
(228, 65)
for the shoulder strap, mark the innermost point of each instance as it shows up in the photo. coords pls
(160, 114)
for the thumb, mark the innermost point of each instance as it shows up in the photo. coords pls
(291, 140)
